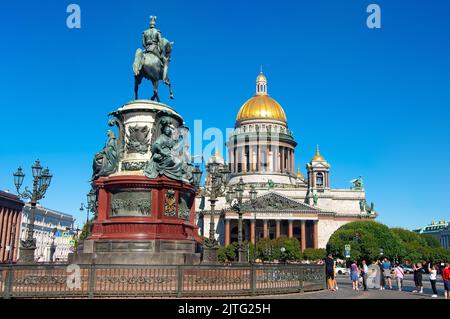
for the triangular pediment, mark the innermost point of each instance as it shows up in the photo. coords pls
(273, 201)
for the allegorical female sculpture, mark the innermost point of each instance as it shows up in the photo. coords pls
(106, 161)
(166, 159)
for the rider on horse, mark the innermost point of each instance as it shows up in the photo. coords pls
(153, 62)
(151, 39)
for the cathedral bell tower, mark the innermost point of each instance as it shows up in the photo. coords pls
(318, 174)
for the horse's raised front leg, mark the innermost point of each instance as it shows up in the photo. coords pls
(170, 89)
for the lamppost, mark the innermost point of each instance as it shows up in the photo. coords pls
(41, 182)
(91, 204)
(220, 176)
(234, 198)
(253, 193)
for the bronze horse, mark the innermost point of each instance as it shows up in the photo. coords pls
(150, 66)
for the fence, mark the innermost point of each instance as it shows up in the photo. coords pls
(144, 281)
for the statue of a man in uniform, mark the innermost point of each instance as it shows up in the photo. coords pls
(151, 38)
(153, 62)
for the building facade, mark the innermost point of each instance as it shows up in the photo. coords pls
(440, 230)
(261, 152)
(50, 226)
(10, 219)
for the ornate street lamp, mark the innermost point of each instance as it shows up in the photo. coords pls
(234, 198)
(91, 204)
(220, 176)
(197, 175)
(41, 182)
(253, 194)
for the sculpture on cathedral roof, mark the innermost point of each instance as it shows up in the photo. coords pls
(152, 63)
(357, 184)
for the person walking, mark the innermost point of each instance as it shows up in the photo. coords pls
(399, 274)
(354, 275)
(335, 285)
(382, 280)
(433, 275)
(329, 271)
(364, 274)
(418, 271)
(446, 278)
(386, 265)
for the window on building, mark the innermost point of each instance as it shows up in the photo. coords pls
(319, 179)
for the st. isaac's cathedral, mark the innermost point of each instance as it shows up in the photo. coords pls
(261, 153)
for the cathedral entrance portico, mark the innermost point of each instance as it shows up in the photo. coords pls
(260, 228)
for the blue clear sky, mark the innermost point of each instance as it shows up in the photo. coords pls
(377, 101)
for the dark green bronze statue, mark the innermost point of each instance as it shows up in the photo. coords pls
(107, 160)
(152, 63)
(166, 158)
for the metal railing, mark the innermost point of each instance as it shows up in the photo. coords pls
(146, 281)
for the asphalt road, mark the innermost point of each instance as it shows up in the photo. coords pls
(345, 291)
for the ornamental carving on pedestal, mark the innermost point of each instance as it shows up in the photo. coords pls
(133, 166)
(137, 139)
(170, 208)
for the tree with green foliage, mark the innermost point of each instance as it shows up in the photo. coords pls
(367, 239)
(227, 253)
(85, 232)
(314, 254)
(420, 247)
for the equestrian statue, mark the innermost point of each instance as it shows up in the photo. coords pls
(152, 63)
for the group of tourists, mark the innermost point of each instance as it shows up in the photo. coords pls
(388, 273)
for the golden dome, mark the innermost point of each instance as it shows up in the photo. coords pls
(261, 78)
(318, 157)
(261, 107)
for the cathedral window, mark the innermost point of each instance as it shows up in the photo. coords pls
(319, 179)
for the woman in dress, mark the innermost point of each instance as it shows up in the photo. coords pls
(354, 276)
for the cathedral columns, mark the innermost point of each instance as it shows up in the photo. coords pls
(276, 160)
(291, 228)
(259, 157)
(293, 162)
(316, 234)
(303, 235)
(288, 165)
(266, 230)
(277, 231)
(236, 159)
(250, 156)
(282, 160)
(227, 232)
(244, 159)
(252, 231)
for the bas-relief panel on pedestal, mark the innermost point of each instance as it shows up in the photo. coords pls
(170, 207)
(131, 203)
